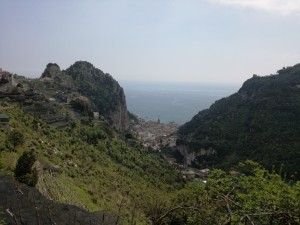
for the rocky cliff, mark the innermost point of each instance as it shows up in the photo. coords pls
(102, 92)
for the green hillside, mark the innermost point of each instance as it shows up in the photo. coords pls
(87, 164)
(260, 122)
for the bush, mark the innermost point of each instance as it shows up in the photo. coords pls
(24, 171)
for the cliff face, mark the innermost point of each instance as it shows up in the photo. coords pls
(259, 122)
(119, 116)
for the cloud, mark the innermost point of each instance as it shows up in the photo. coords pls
(286, 7)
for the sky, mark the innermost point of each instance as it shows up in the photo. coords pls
(223, 41)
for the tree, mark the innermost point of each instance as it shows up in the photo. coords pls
(15, 138)
(24, 171)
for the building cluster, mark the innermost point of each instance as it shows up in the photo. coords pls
(155, 135)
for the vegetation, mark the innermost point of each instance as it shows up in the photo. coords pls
(82, 106)
(249, 195)
(15, 138)
(2, 221)
(24, 171)
(259, 122)
(89, 165)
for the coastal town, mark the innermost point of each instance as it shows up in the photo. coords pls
(153, 134)
(156, 136)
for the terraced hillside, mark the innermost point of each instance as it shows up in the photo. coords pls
(88, 164)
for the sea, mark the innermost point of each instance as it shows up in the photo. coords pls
(171, 101)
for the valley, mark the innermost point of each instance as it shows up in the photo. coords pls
(150, 112)
(67, 141)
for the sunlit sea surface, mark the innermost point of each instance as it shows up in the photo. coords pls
(172, 102)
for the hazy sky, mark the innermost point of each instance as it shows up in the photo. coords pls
(169, 40)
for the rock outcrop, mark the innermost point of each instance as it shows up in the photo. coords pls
(191, 157)
(52, 70)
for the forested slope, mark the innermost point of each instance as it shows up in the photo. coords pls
(260, 122)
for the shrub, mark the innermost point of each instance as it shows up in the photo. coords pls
(24, 171)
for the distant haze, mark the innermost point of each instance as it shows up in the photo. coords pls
(171, 40)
